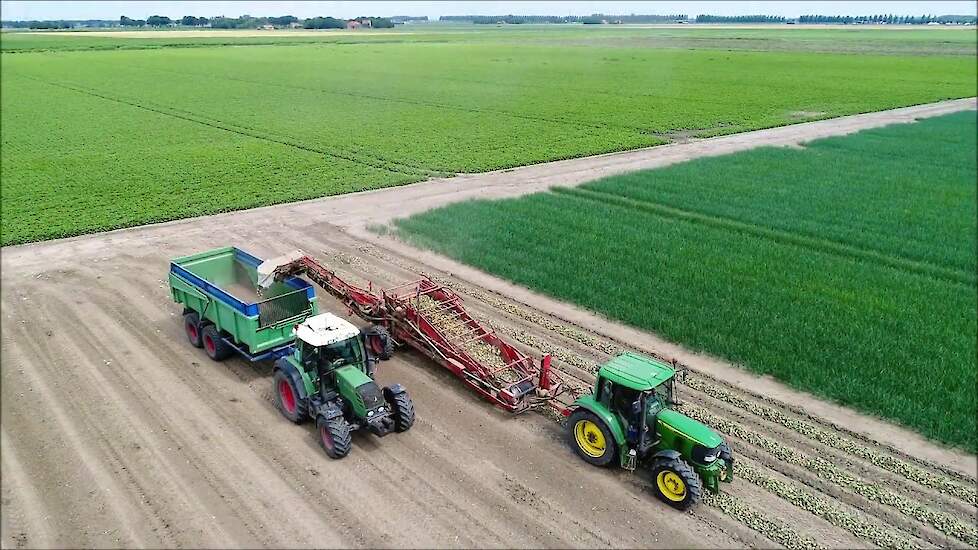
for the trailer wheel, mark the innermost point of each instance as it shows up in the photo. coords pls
(676, 483)
(334, 436)
(591, 438)
(287, 398)
(378, 342)
(214, 346)
(191, 324)
(402, 408)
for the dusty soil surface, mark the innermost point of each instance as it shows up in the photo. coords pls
(116, 432)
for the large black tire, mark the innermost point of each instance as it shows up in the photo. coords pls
(287, 398)
(591, 438)
(378, 342)
(676, 483)
(727, 456)
(214, 346)
(191, 325)
(402, 408)
(334, 436)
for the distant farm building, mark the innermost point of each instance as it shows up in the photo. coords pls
(359, 23)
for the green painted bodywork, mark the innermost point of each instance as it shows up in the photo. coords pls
(588, 402)
(348, 379)
(220, 268)
(310, 380)
(345, 380)
(636, 371)
(672, 430)
(691, 429)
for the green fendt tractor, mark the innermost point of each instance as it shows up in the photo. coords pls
(628, 419)
(329, 376)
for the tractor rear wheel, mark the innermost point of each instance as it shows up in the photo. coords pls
(378, 342)
(591, 438)
(402, 408)
(214, 346)
(335, 436)
(287, 398)
(191, 325)
(676, 483)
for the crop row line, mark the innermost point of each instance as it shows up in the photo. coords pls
(910, 466)
(783, 237)
(943, 522)
(397, 168)
(859, 526)
(890, 464)
(773, 530)
(423, 103)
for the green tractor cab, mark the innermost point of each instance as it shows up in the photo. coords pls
(629, 420)
(329, 377)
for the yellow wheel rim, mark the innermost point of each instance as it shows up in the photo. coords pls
(671, 485)
(590, 438)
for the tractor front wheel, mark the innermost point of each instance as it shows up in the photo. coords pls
(287, 398)
(214, 346)
(191, 324)
(402, 408)
(676, 483)
(335, 436)
(591, 438)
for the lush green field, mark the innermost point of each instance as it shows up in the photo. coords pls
(900, 41)
(110, 138)
(846, 269)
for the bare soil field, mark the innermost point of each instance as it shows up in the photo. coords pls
(116, 432)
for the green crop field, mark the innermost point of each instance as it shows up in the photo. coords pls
(846, 269)
(101, 132)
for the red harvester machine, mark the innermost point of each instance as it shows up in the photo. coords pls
(431, 319)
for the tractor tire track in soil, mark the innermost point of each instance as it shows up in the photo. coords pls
(117, 433)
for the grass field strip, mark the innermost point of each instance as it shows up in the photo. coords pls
(859, 527)
(801, 240)
(908, 466)
(374, 162)
(407, 101)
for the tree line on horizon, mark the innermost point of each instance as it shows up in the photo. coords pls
(249, 22)
(219, 22)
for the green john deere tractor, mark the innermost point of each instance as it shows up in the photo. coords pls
(329, 376)
(628, 419)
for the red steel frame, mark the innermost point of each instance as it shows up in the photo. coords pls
(397, 310)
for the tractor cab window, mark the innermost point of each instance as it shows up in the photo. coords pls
(663, 393)
(623, 398)
(346, 352)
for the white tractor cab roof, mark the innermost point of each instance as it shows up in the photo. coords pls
(325, 329)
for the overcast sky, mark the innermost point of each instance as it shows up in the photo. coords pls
(12, 10)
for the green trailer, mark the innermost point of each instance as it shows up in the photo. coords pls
(323, 369)
(223, 312)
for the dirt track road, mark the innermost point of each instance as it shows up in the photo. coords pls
(115, 432)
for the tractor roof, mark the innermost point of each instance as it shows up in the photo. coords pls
(325, 329)
(637, 371)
